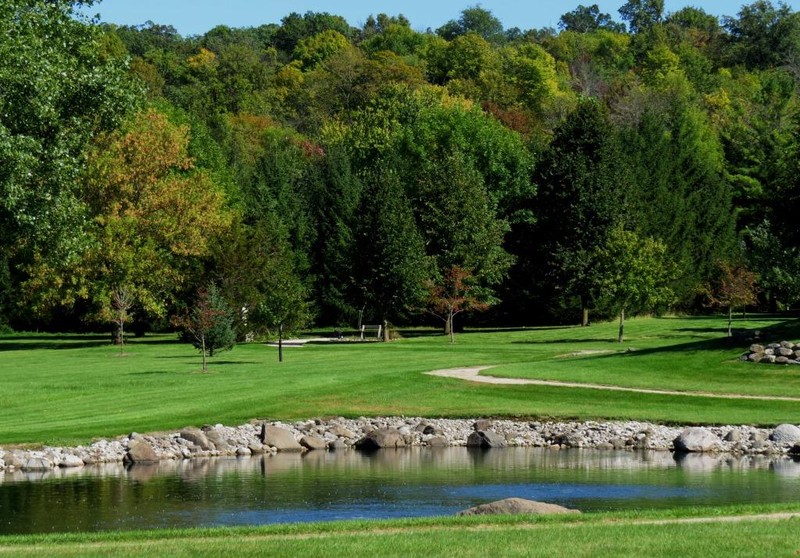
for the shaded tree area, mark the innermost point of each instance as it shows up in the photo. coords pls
(321, 173)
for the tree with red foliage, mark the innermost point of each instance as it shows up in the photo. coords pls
(733, 286)
(455, 292)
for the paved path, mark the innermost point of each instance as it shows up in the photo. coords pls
(474, 375)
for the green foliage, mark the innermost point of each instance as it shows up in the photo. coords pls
(294, 28)
(284, 119)
(584, 191)
(681, 196)
(58, 91)
(473, 20)
(390, 267)
(208, 323)
(587, 19)
(642, 15)
(634, 274)
(763, 35)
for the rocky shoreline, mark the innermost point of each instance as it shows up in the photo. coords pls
(338, 434)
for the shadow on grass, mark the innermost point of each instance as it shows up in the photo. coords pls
(787, 330)
(28, 342)
(604, 339)
(52, 344)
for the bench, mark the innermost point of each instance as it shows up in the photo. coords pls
(368, 328)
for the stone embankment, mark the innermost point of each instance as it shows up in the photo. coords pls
(785, 352)
(372, 433)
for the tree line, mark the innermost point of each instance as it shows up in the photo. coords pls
(312, 172)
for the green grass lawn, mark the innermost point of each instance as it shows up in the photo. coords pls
(653, 534)
(69, 388)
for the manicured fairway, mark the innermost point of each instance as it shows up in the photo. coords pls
(70, 388)
(700, 533)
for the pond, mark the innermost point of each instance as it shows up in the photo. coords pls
(323, 486)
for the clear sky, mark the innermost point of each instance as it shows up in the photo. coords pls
(195, 17)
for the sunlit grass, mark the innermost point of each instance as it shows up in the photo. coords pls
(722, 532)
(70, 388)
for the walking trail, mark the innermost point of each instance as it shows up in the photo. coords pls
(474, 375)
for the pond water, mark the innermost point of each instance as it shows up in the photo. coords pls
(322, 486)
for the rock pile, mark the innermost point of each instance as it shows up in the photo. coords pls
(785, 352)
(364, 433)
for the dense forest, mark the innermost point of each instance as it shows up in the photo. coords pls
(311, 172)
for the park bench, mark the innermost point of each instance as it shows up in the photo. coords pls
(369, 328)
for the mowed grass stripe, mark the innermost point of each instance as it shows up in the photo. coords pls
(61, 390)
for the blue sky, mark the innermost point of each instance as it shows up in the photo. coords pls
(195, 17)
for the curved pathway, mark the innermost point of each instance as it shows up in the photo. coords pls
(474, 375)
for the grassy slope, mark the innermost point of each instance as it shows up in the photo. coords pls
(66, 389)
(657, 534)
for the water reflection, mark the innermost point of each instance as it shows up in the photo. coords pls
(383, 484)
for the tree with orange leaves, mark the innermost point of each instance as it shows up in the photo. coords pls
(734, 286)
(152, 215)
(455, 292)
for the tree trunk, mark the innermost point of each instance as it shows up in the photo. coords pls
(280, 342)
(386, 330)
(203, 343)
(118, 337)
(730, 320)
(116, 334)
(450, 316)
(584, 311)
(448, 325)
(620, 337)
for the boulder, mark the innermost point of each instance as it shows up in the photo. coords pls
(785, 434)
(197, 437)
(215, 437)
(339, 444)
(438, 442)
(485, 439)
(695, 439)
(70, 461)
(482, 424)
(37, 464)
(733, 436)
(382, 438)
(516, 506)
(313, 443)
(280, 439)
(140, 452)
(256, 447)
(242, 451)
(341, 432)
(12, 460)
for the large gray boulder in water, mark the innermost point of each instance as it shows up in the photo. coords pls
(140, 452)
(382, 438)
(485, 439)
(786, 434)
(696, 439)
(280, 439)
(516, 506)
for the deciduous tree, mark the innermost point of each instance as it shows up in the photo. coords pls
(208, 323)
(733, 287)
(453, 292)
(635, 273)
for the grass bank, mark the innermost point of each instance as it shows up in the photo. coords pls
(707, 533)
(66, 389)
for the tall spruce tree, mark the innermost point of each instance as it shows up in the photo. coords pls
(682, 198)
(390, 266)
(583, 192)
